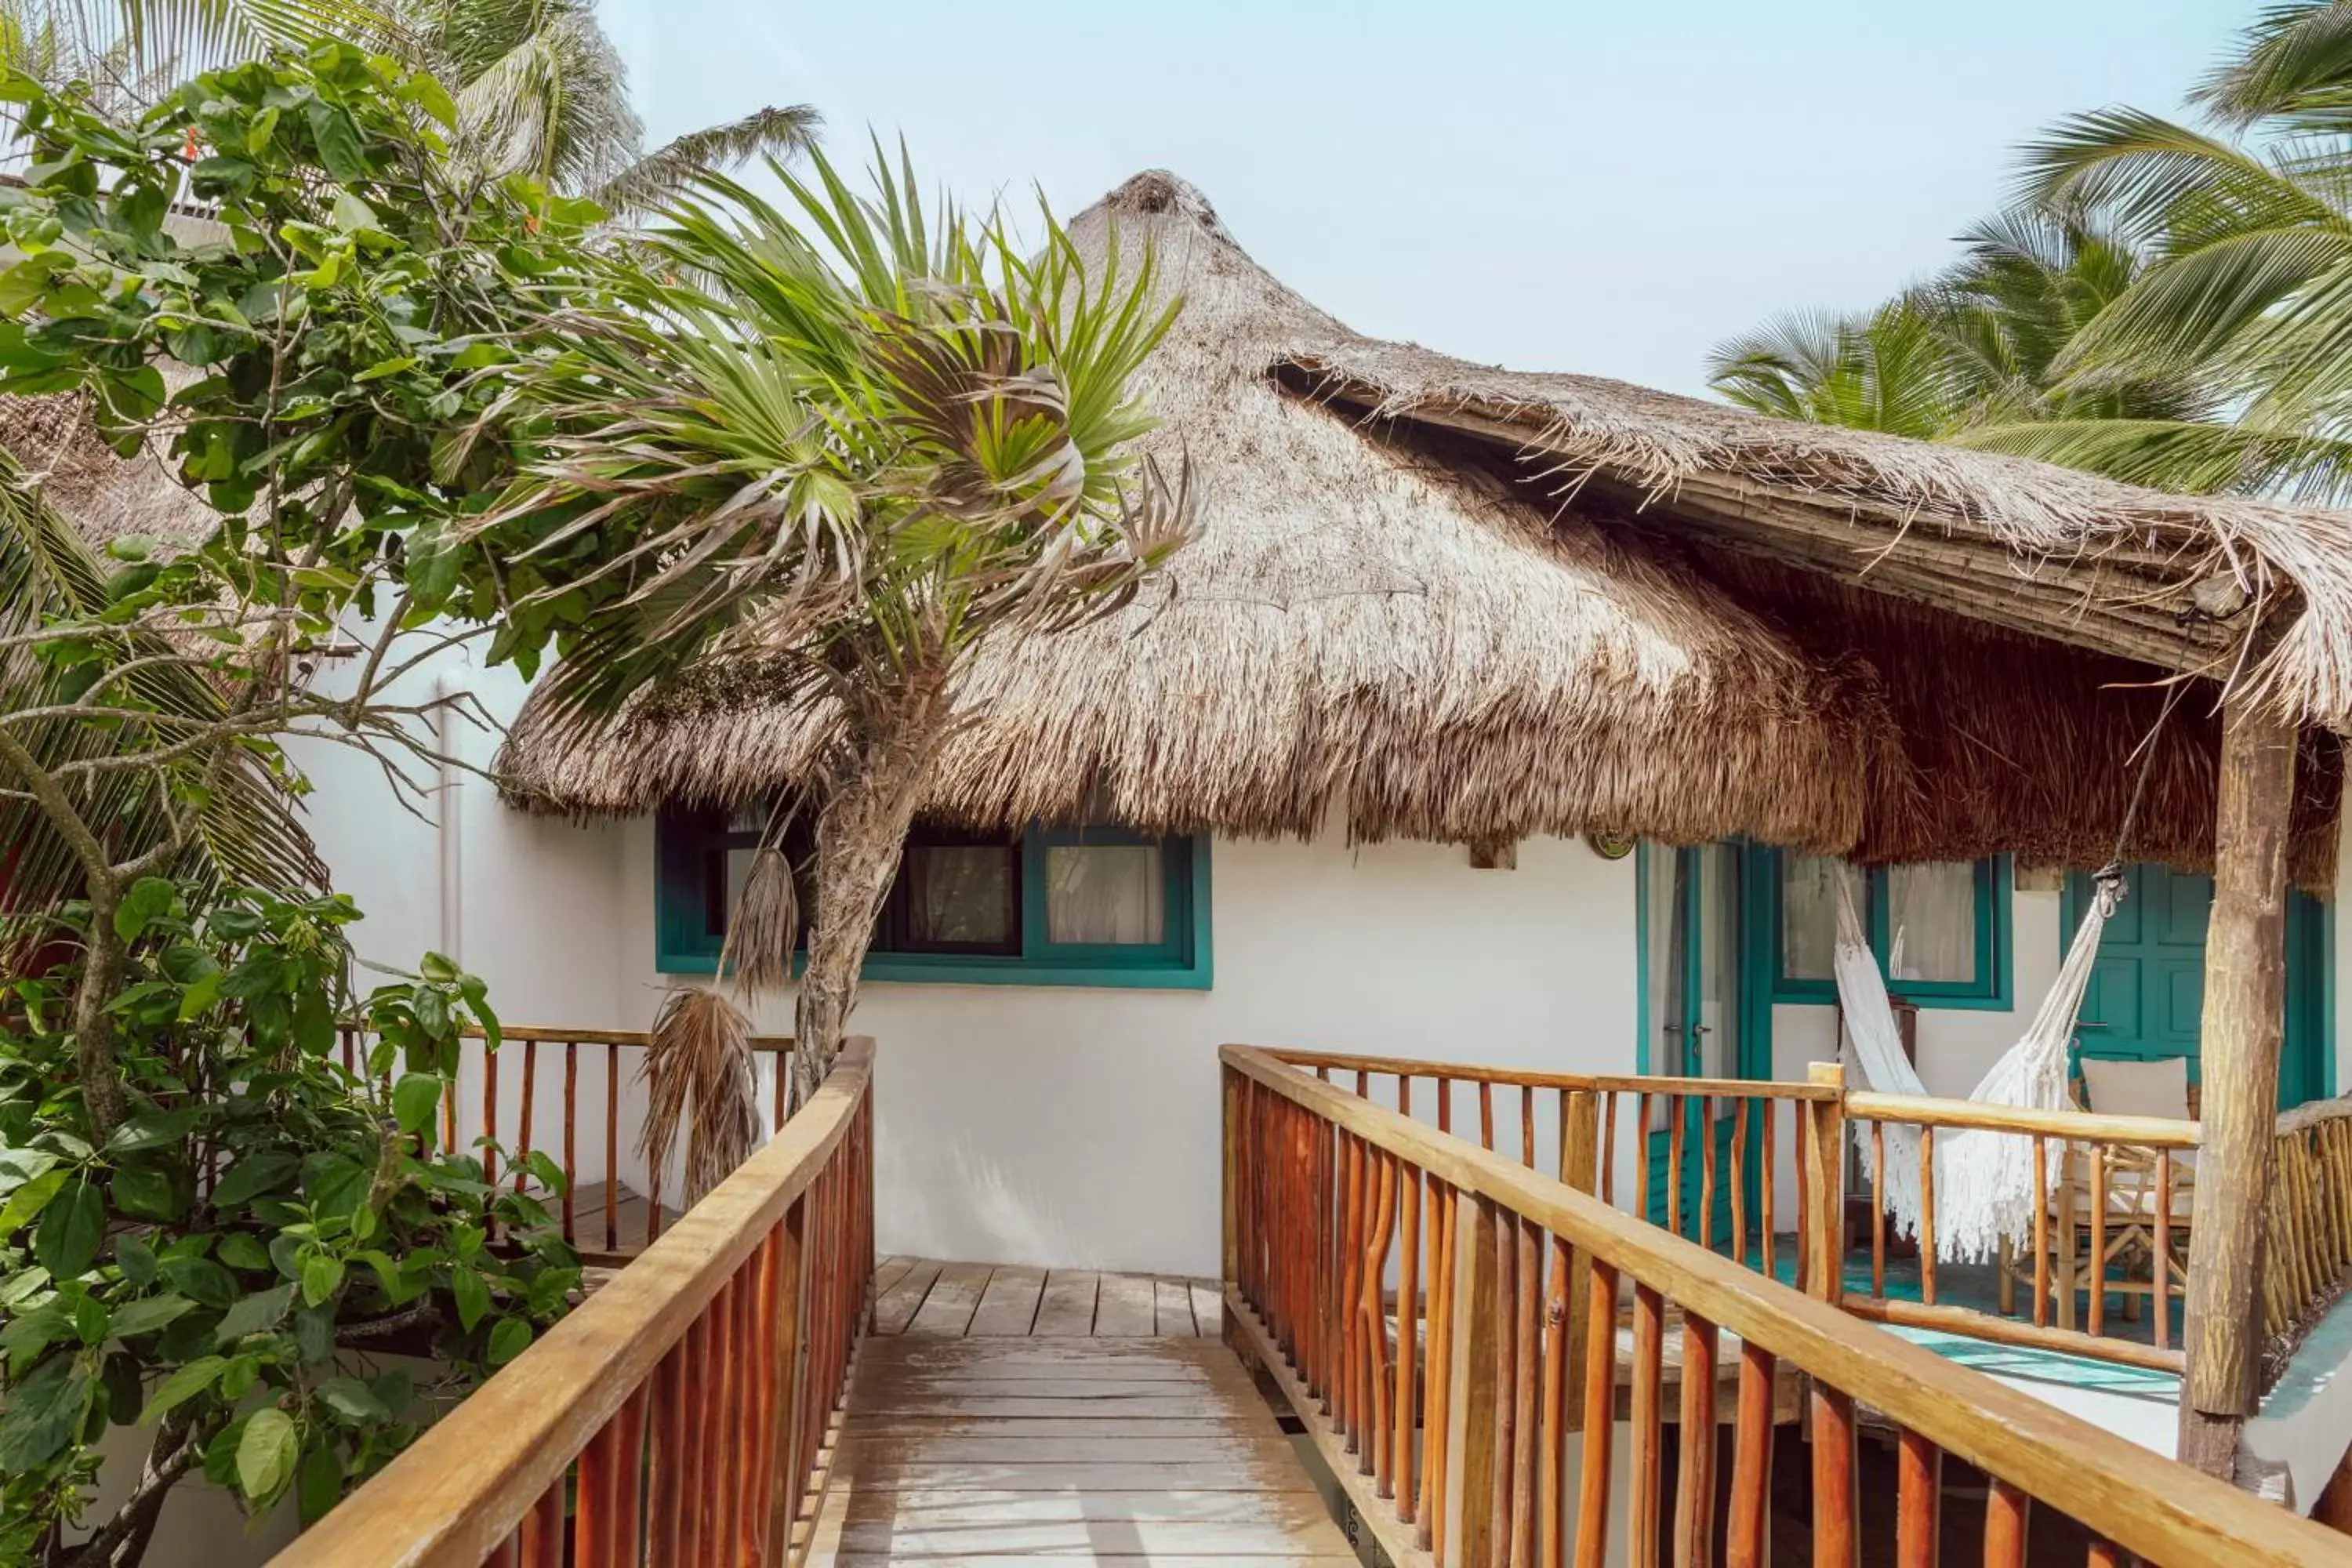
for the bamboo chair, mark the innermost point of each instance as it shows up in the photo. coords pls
(2128, 1229)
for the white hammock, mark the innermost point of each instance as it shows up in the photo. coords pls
(1984, 1180)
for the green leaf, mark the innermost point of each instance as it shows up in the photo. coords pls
(322, 1274)
(431, 96)
(252, 1314)
(509, 1340)
(264, 126)
(340, 148)
(43, 1413)
(147, 1314)
(201, 1278)
(321, 1486)
(67, 1242)
(416, 1100)
(473, 1295)
(136, 1259)
(351, 214)
(266, 1455)
(253, 1175)
(353, 1401)
(185, 1384)
(26, 1201)
(148, 1192)
(382, 368)
(149, 899)
(242, 1249)
(151, 1129)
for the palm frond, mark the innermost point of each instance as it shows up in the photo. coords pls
(2295, 66)
(2188, 457)
(662, 176)
(243, 826)
(2160, 182)
(540, 90)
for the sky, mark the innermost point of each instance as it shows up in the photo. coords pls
(1608, 189)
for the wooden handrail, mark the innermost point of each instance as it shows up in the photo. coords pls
(2081, 1126)
(1284, 1216)
(1525, 1077)
(730, 1272)
(556, 1034)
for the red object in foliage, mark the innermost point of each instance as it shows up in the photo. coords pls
(192, 144)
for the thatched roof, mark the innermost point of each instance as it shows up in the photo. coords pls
(2179, 582)
(1366, 632)
(104, 496)
(1395, 621)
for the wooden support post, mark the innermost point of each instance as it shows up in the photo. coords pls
(2245, 1001)
(1825, 1151)
(1580, 1139)
(1471, 1402)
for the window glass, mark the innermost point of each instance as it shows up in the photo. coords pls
(1931, 922)
(1809, 913)
(1106, 893)
(962, 896)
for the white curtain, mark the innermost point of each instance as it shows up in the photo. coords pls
(1931, 922)
(1809, 913)
(1109, 893)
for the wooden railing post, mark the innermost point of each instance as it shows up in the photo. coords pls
(790, 1307)
(1471, 1405)
(1580, 1154)
(1825, 1152)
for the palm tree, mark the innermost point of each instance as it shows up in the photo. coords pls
(1969, 356)
(2248, 289)
(843, 444)
(539, 89)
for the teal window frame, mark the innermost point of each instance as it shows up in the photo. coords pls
(1992, 990)
(1183, 960)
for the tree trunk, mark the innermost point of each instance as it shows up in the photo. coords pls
(861, 828)
(2245, 1002)
(94, 994)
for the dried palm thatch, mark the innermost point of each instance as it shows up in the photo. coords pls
(2257, 595)
(2011, 743)
(104, 495)
(698, 1079)
(1367, 631)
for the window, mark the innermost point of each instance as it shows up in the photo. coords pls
(1941, 930)
(1091, 905)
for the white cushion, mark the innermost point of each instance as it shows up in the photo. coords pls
(2158, 1088)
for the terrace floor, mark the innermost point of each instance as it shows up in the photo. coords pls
(1001, 1413)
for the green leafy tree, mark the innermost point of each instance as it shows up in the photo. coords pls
(836, 446)
(320, 360)
(225, 1267)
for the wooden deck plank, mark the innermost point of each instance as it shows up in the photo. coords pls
(1110, 1559)
(1068, 1305)
(896, 1308)
(890, 1271)
(954, 1296)
(1172, 1308)
(1125, 1306)
(958, 1448)
(1142, 1451)
(1008, 1305)
(1208, 1309)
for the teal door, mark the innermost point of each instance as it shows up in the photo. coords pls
(2146, 996)
(1690, 949)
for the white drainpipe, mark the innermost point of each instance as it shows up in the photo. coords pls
(447, 733)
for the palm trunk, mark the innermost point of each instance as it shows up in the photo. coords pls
(94, 994)
(860, 830)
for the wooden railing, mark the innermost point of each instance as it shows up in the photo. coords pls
(551, 1123)
(2085, 1164)
(1483, 1428)
(2309, 1242)
(681, 1414)
(1707, 1158)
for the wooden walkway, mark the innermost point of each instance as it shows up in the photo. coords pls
(1002, 1420)
(917, 1296)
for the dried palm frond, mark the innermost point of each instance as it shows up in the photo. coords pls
(698, 1073)
(764, 926)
